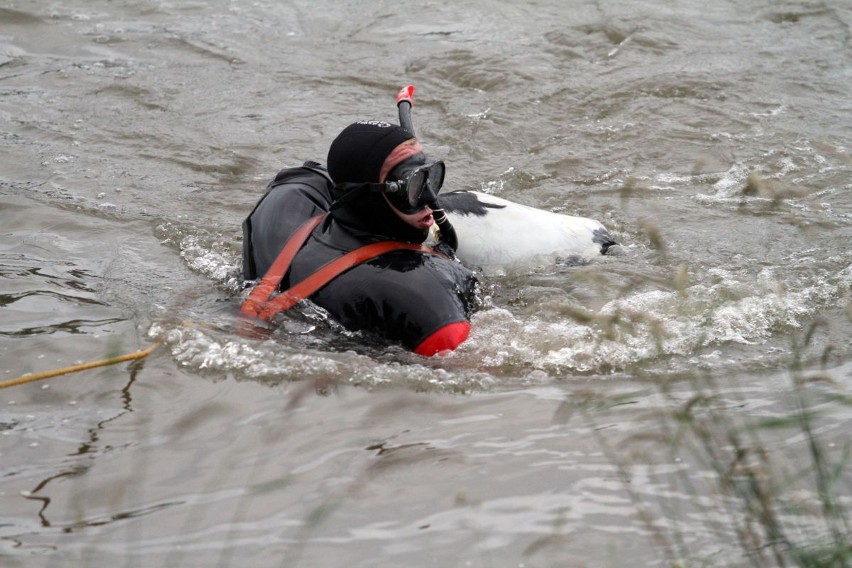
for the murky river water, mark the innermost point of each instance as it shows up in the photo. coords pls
(600, 415)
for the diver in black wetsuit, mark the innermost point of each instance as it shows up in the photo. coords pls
(382, 183)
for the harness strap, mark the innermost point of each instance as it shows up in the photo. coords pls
(259, 304)
(266, 287)
(289, 298)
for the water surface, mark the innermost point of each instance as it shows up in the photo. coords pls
(712, 141)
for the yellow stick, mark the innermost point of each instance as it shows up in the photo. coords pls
(66, 370)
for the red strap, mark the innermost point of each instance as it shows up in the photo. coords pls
(445, 339)
(267, 285)
(259, 305)
(289, 298)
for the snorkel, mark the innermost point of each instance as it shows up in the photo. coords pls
(404, 102)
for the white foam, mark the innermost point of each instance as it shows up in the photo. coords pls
(275, 361)
(221, 265)
(651, 324)
(732, 181)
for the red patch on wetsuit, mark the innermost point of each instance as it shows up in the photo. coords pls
(445, 339)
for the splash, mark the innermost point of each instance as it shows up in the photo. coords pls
(282, 359)
(651, 326)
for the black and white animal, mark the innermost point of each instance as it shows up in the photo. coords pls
(495, 234)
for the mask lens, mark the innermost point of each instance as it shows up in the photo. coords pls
(429, 177)
(415, 184)
(436, 177)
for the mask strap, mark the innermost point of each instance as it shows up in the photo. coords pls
(352, 190)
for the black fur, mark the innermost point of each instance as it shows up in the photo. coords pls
(603, 238)
(465, 203)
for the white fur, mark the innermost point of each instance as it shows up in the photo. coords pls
(518, 236)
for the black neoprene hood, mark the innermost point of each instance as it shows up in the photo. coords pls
(360, 150)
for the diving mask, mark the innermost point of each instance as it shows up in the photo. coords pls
(415, 187)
